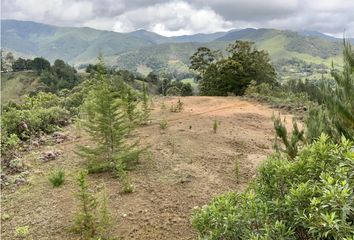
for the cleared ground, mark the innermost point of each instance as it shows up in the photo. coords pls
(186, 166)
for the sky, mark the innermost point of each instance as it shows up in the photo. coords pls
(182, 17)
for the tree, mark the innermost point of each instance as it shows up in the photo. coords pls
(201, 60)
(85, 222)
(163, 85)
(233, 74)
(255, 64)
(60, 76)
(335, 116)
(108, 125)
(19, 65)
(40, 64)
(152, 78)
(126, 75)
(92, 220)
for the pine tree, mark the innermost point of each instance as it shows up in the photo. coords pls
(108, 126)
(85, 220)
(92, 218)
(292, 144)
(145, 103)
(335, 116)
(104, 214)
(339, 99)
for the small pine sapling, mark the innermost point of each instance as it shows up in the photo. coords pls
(105, 220)
(237, 169)
(57, 177)
(216, 125)
(178, 108)
(85, 218)
(163, 124)
(146, 106)
(292, 144)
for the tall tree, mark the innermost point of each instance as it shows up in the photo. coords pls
(201, 60)
(234, 73)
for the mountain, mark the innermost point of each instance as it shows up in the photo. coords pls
(68, 43)
(146, 50)
(150, 36)
(199, 37)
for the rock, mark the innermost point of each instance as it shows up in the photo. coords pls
(5, 217)
(35, 143)
(42, 140)
(187, 179)
(59, 137)
(50, 155)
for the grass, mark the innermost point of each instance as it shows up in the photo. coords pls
(16, 84)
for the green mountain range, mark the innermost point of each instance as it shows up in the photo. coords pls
(146, 51)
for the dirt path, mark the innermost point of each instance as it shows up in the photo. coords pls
(186, 166)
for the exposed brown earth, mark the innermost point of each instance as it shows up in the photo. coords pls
(186, 166)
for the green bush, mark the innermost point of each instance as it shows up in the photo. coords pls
(310, 197)
(163, 124)
(41, 113)
(22, 232)
(57, 177)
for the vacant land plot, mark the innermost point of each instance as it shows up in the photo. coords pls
(186, 165)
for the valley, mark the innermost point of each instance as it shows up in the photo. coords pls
(143, 49)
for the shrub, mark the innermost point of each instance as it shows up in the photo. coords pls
(310, 197)
(22, 232)
(178, 108)
(57, 177)
(163, 124)
(20, 122)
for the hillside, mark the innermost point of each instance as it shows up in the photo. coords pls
(67, 43)
(186, 166)
(16, 84)
(284, 48)
(146, 50)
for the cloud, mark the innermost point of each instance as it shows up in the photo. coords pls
(177, 17)
(172, 18)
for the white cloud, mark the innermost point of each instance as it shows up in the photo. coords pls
(176, 17)
(172, 18)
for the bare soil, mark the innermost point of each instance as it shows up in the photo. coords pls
(186, 165)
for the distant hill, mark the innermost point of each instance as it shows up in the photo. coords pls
(67, 43)
(150, 51)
